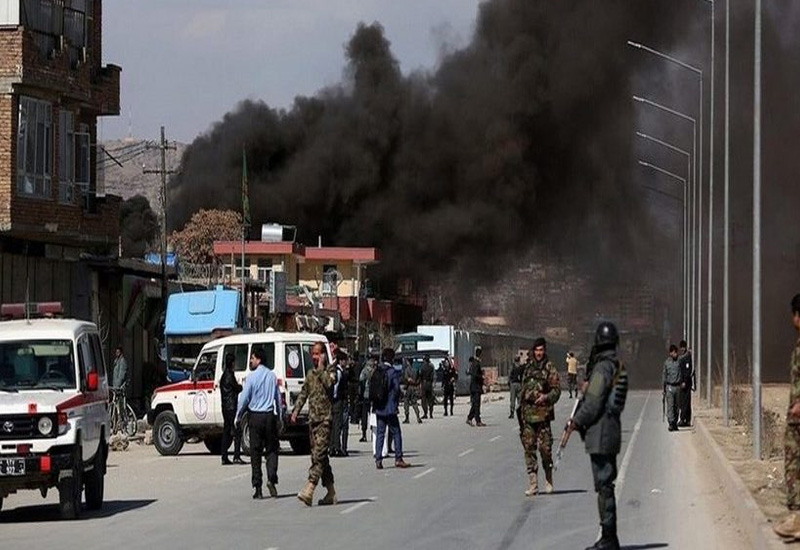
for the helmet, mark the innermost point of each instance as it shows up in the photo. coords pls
(606, 335)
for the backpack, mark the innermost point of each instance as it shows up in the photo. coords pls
(619, 390)
(379, 386)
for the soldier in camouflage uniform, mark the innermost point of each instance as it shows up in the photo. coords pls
(540, 392)
(790, 526)
(317, 390)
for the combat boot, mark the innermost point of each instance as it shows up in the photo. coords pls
(606, 542)
(548, 486)
(789, 527)
(307, 494)
(534, 488)
(330, 498)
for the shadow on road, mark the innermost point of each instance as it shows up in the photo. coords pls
(567, 492)
(644, 546)
(49, 512)
(355, 501)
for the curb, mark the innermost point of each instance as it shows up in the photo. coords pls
(751, 519)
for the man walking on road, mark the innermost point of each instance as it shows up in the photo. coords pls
(411, 379)
(671, 380)
(426, 375)
(387, 411)
(572, 374)
(339, 422)
(598, 419)
(790, 526)
(687, 382)
(229, 389)
(475, 389)
(540, 392)
(317, 391)
(262, 400)
(363, 379)
(449, 378)
(514, 385)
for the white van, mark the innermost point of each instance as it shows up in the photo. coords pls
(53, 411)
(193, 408)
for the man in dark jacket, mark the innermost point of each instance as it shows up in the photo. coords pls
(229, 389)
(687, 382)
(598, 420)
(475, 389)
(426, 376)
(387, 411)
(514, 385)
(449, 378)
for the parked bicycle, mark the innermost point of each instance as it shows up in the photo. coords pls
(121, 416)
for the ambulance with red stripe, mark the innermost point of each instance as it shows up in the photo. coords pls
(192, 409)
(53, 409)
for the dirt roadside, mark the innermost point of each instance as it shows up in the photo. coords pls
(764, 478)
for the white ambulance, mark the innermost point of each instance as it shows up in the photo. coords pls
(53, 409)
(193, 408)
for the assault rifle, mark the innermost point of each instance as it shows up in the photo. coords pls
(567, 433)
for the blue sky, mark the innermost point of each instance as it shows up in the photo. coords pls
(187, 62)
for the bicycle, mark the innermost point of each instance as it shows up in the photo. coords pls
(121, 416)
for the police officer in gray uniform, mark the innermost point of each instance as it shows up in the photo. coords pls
(671, 378)
(598, 421)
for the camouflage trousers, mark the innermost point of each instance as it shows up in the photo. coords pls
(533, 435)
(791, 449)
(320, 433)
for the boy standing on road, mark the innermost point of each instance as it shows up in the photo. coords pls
(790, 526)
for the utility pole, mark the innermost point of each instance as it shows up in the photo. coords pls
(163, 172)
(757, 240)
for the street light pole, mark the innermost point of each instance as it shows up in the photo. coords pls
(726, 229)
(695, 324)
(692, 225)
(757, 239)
(686, 204)
(710, 268)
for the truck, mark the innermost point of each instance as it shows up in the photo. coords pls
(194, 319)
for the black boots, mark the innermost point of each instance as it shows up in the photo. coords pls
(608, 541)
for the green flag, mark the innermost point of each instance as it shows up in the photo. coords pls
(245, 194)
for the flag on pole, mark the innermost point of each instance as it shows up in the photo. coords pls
(245, 194)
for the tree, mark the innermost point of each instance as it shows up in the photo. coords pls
(195, 242)
(138, 226)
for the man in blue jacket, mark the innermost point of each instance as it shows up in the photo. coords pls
(386, 412)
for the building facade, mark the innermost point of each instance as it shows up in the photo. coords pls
(53, 87)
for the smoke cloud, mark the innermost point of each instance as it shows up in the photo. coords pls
(522, 137)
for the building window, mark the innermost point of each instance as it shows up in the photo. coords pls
(34, 147)
(330, 280)
(83, 174)
(66, 157)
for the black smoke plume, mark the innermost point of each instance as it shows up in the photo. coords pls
(522, 137)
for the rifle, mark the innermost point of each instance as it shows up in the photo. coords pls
(567, 433)
(663, 405)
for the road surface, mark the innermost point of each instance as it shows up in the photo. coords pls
(464, 491)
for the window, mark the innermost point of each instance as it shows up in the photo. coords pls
(330, 280)
(269, 354)
(242, 357)
(296, 360)
(66, 156)
(34, 147)
(97, 346)
(50, 20)
(34, 364)
(206, 366)
(82, 160)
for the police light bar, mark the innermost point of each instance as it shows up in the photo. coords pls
(33, 309)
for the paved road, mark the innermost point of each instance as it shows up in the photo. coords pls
(465, 491)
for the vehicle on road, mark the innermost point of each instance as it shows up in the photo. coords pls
(194, 319)
(192, 408)
(53, 410)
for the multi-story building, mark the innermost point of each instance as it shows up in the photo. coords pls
(53, 87)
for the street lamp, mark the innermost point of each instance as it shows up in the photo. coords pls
(693, 220)
(697, 203)
(685, 216)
